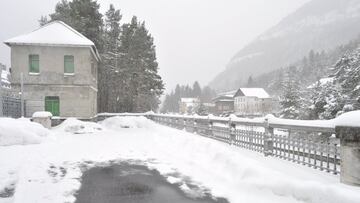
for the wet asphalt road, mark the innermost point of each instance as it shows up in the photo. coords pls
(132, 184)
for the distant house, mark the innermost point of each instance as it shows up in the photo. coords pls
(188, 105)
(252, 102)
(59, 67)
(224, 102)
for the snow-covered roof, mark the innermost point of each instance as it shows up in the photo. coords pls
(54, 33)
(229, 93)
(253, 92)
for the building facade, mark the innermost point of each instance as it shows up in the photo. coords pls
(188, 105)
(59, 70)
(252, 102)
(224, 103)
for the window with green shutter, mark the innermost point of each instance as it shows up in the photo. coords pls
(34, 63)
(68, 64)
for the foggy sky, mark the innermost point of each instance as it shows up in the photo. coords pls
(195, 39)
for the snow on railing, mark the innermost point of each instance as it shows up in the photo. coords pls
(311, 143)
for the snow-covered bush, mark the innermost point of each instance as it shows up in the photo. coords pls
(73, 125)
(118, 122)
(21, 132)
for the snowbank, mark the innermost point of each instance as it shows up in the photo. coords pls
(75, 126)
(51, 171)
(42, 114)
(348, 119)
(118, 122)
(21, 132)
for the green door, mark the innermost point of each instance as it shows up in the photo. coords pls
(52, 104)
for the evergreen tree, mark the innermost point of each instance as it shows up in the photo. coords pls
(128, 73)
(207, 94)
(43, 20)
(196, 91)
(82, 15)
(110, 76)
(171, 102)
(250, 82)
(139, 65)
(290, 100)
(333, 99)
(201, 109)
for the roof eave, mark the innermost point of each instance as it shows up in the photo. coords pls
(93, 49)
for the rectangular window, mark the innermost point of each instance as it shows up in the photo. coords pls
(34, 63)
(68, 64)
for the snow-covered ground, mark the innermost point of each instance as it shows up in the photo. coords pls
(51, 170)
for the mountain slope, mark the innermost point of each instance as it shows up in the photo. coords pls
(318, 25)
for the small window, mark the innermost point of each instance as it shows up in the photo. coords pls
(34, 63)
(68, 64)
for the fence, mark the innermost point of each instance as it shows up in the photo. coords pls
(10, 103)
(307, 143)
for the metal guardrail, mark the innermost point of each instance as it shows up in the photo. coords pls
(297, 142)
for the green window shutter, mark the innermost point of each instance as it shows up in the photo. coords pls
(34, 63)
(52, 104)
(68, 64)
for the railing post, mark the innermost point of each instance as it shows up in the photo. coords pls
(350, 154)
(210, 127)
(231, 132)
(184, 123)
(268, 141)
(195, 126)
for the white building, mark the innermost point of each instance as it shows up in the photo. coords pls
(188, 105)
(59, 68)
(252, 102)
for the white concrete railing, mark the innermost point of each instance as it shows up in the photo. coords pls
(287, 139)
(329, 145)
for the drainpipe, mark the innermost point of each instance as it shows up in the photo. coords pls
(22, 94)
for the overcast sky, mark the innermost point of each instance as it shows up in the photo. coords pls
(195, 39)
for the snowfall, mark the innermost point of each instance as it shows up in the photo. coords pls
(41, 165)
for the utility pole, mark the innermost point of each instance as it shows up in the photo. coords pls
(22, 93)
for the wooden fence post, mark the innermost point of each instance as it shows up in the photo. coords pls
(350, 154)
(268, 139)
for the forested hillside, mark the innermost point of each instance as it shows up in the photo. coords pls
(318, 25)
(320, 86)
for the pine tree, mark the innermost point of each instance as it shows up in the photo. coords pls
(43, 20)
(201, 110)
(250, 82)
(290, 100)
(139, 63)
(347, 77)
(84, 16)
(110, 77)
(196, 90)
